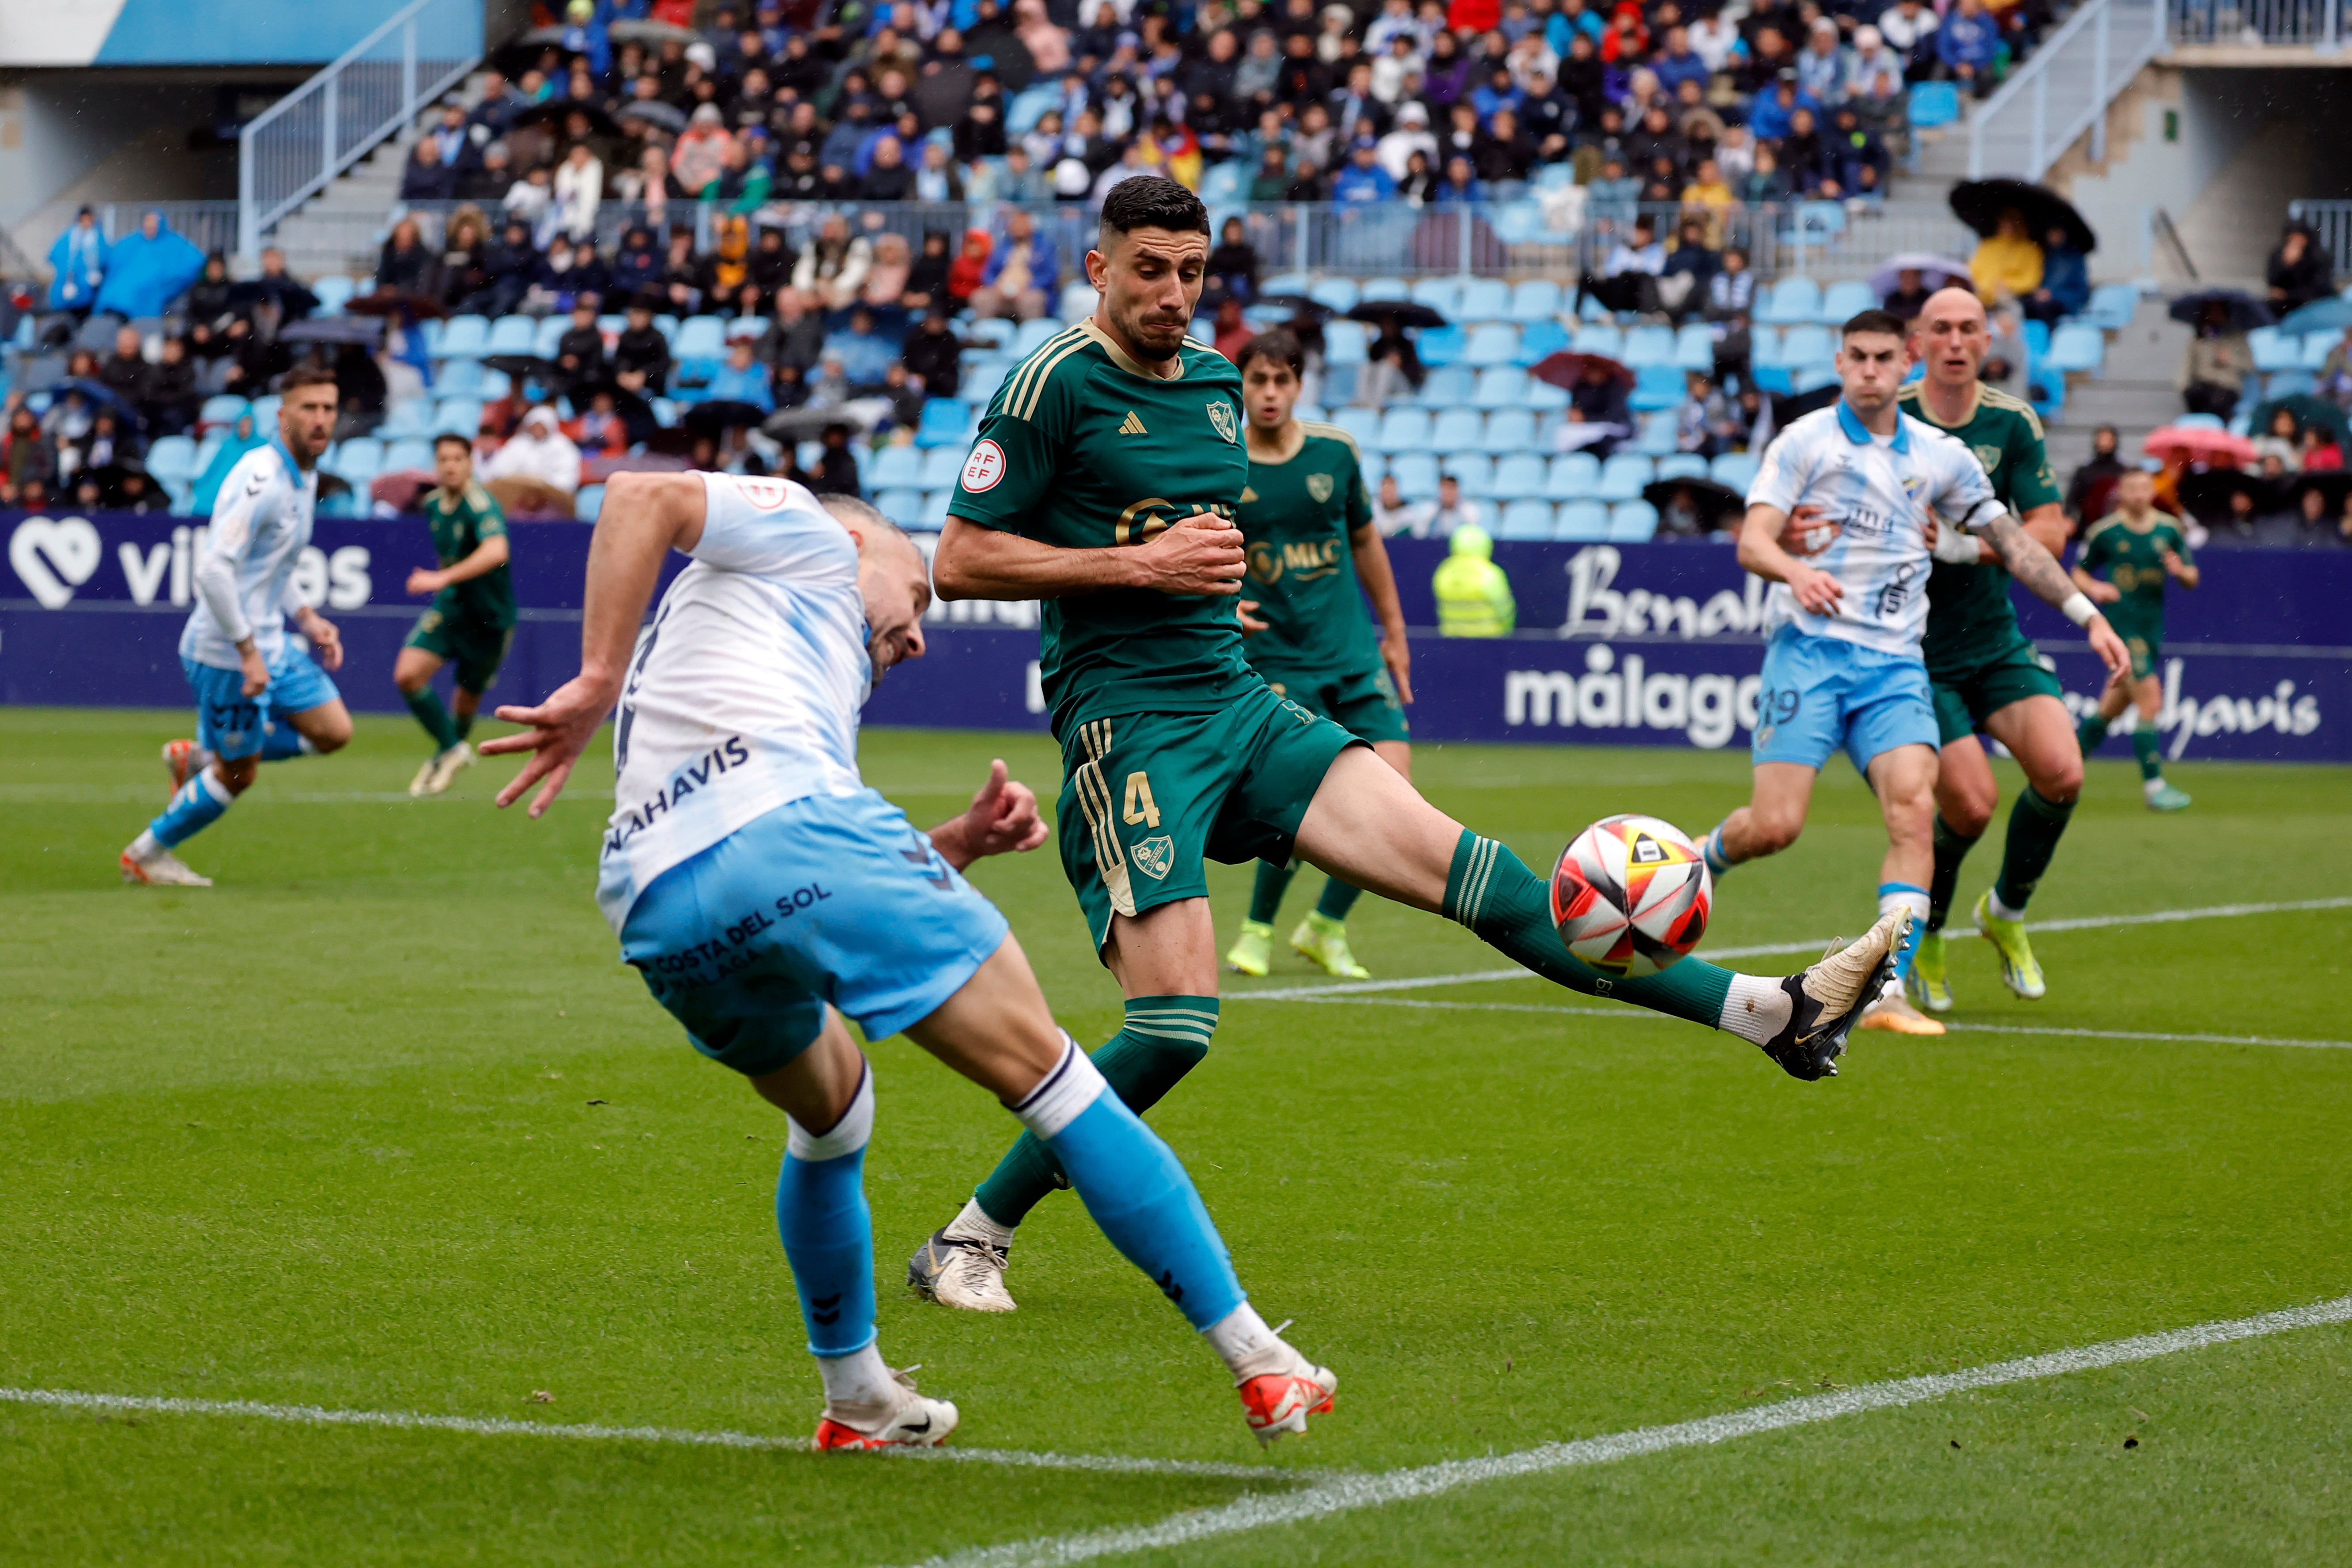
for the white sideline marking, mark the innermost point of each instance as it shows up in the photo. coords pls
(2087, 923)
(1346, 1494)
(496, 1426)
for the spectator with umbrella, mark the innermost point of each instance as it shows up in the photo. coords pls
(2008, 263)
(2065, 286)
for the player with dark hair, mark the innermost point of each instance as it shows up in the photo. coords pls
(1305, 520)
(472, 617)
(258, 698)
(1105, 481)
(2142, 549)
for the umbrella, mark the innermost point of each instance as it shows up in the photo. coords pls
(666, 116)
(549, 35)
(1714, 503)
(101, 395)
(2246, 312)
(1934, 271)
(646, 30)
(364, 330)
(724, 414)
(1404, 313)
(2206, 496)
(2333, 485)
(1300, 305)
(523, 367)
(556, 111)
(2200, 444)
(1979, 204)
(2308, 411)
(1566, 368)
(386, 302)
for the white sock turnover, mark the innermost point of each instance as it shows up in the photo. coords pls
(1755, 1009)
(1248, 1347)
(859, 1378)
(973, 1224)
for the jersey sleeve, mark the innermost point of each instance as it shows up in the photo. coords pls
(1780, 478)
(1013, 465)
(2030, 483)
(2094, 547)
(1359, 503)
(1964, 491)
(2180, 545)
(772, 529)
(489, 520)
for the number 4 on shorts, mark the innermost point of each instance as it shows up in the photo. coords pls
(1140, 810)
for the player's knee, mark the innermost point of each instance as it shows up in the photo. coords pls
(331, 733)
(237, 773)
(1967, 812)
(410, 680)
(2059, 779)
(1769, 832)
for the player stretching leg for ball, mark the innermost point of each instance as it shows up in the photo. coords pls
(751, 876)
(1303, 518)
(2141, 547)
(1107, 473)
(473, 614)
(257, 697)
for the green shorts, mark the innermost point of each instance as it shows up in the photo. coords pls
(1147, 796)
(475, 649)
(2146, 642)
(2013, 673)
(1361, 701)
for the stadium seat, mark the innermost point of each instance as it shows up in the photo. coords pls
(1649, 345)
(901, 504)
(980, 384)
(587, 502)
(206, 451)
(459, 378)
(1683, 466)
(935, 509)
(1457, 430)
(1363, 425)
(942, 466)
(1491, 343)
(1403, 430)
(1807, 345)
(1475, 472)
(1441, 345)
(171, 458)
(548, 334)
(408, 453)
(1572, 476)
(1846, 299)
(1448, 386)
(1371, 465)
(1792, 300)
(2112, 306)
(1695, 348)
(1526, 519)
(334, 291)
(461, 337)
(1441, 294)
(1485, 300)
(409, 417)
(221, 408)
(665, 412)
(1415, 474)
(1813, 377)
(1632, 522)
(2317, 346)
(1540, 340)
(1509, 430)
(1656, 438)
(1623, 476)
(1544, 397)
(1383, 288)
(1339, 294)
(1288, 283)
(1031, 336)
(1933, 103)
(458, 416)
(2274, 350)
(1223, 184)
(512, 335)
(667, 327)
(1505, 387)
(1734, 470)
(1536, 299)
(360, 459)
(946, 422)
(2288, 382)
(1029, 106)
(1657, 386)
(699, 337)
(264, 415)
(2198, 422)
(1580, 523)
(1339, 385)
(1344, 342)
(1600, 338)
(1517, 478)
(994, 331)
(895, 468)
(2077, 346)
(1077, 303)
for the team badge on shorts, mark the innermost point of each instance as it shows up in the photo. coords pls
(1319, 487)
(1221, 417)
(1155, 858)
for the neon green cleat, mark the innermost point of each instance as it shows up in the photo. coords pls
(1926, 980)
(2018, 969)
(1253, 950)
(2165, 797)
(1325, 941)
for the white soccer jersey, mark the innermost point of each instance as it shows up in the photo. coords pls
(1879, 493)
(744, 690)
(245, 574)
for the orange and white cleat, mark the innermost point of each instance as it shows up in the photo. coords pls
(182, 758)
(1894, 1012)
(907, 1421)
(160, 870)
(1280, 1402)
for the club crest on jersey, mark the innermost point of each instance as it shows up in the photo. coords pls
(1155, 857)
(1319, 487)
(1988, 457)
(1221, 418)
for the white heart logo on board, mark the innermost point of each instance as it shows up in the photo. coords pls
(43, 552)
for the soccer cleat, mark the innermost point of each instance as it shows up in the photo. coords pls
(160, 870)
(1925, 982)
(445, 768)
(2165, 797)
(958, 1271)
(2019, 971)
(1325, 940)
(182, 758)
(424, 776)
(1826, 1000)
(1893, 1012)
(907, 1421)
(1280, 1402)
(1253, 950)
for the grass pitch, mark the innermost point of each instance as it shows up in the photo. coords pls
(380, 1123)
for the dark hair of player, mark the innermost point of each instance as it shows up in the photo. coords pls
(1153, 201)
(448, 438)
(307, 375)
(1873, 322)
(1276, 345)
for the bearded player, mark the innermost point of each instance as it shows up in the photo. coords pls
(1305, 520)
(1105, 481)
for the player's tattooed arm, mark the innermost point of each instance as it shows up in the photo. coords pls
(1201, 554)
(2035, 567)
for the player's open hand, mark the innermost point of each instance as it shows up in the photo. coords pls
(2101, 591)
(1397, 654)
(422, 581)
(1199, 555)
(1808, 532)
(2109, 648)
(1003, 820)
(250, 663)
(1818, 592)
(559, 731)
(1251, 625)
(325, 640)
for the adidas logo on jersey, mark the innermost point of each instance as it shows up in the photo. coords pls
(1133, 426)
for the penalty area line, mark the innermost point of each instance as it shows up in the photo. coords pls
(1347, 1494)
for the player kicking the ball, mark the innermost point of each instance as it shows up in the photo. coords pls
(1843, 669)
(1104, 480)
(259, 698)
(2142, 549)
(1305, 520)
(753, 878)
(472, 617)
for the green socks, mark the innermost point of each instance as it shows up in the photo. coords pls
(1265, 897)
(425, 703)
(2144, 746)
(1164, 1038)
(1951, 849)
(463, 723)
(2092, 733)
(2035, 825)
(1490, 891)
(1337, 898)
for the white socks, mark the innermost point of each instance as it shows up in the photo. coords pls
(1999, 911)
(2148, 787)
(144, 847)
(973, 1224)
(1248, 1346)
(859, 1378)
(1755, 1009)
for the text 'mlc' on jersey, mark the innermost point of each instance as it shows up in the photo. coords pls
(744, 690)
(245, 574)
(1083, 448)
(1297, 517)
(1878, 490)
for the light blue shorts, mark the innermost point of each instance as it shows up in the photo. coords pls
(1823, 694)
(832, 900)
(230, 724)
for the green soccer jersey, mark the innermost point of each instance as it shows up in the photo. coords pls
(457, 531)
(1298, 515)
(2134, 559)
(1083, 448)
(1970, 615)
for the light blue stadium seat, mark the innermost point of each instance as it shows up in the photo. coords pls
(2274, 350)
(1813, 377)
(512, 335)
(409, 417)
(462, 337)
(1519, 476)
(1372, 465)
(1031, 336)
(980, 385)
(901, 505)
(459, 378)
(264, 415)
(548, 334)
(1683, 466)
(1475, 472)
(171, 458)
(1222, 184)
(946, 422)
(1338, 384)
(1383, 288)
(2077, 346)
(1449, 386)
(1509, 430)
(1441, 345)
(700, 337)
(407, 453)
(1734, 470)
(428, 332)
(360, 459)
(587, 501)
(2317, 346)
(942, 466)
(1934, 103)
(1526, 519)
(1540, 340)
(1339, 294)
(1632, 522)
(1657, 386)
(1457, 430)
(2037, 343)
(1590, 308)
(667, 327)
(1415, 474)
(1600, 338)
(1846, 299)
(1807, 345)
(1573, 476)
(458, 416)
(207, 449)
(1764, 347)
(612, 326)
(935, 508)
(1492, 344)
(1505, 387)
(1792, 300)
(1581, 522)
(896, 467)
(1029, 106)
(1623, 476)
(1442, 295)
(1403, 430)
(1362, 423)
(1695, 348)
(2288, 382)
(334, 291)
(1344, 342)
(995, 331)
(1485, 300)
(1655, 435)
(1535, 300)
(1649, 345)
(2111, 306)
(221, 408)
(1544, 397)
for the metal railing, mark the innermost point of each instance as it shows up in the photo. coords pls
(2066, 88)
(208, 225)
(2313, 23)
(303, 141)
(2332, 221)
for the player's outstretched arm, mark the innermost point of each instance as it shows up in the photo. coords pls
(1760, 553)
(1200, 555)
(644, 517)
(1378, 578)
(2034, 566)
(488, 556)
(2180, 571)
(2098, 592)
(1003, 819)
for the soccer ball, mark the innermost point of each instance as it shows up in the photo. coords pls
(1631, 894)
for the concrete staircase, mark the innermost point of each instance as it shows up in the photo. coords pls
(341, 228)
(2136, 392)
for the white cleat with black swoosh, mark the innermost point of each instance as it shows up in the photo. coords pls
(906, 1421)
